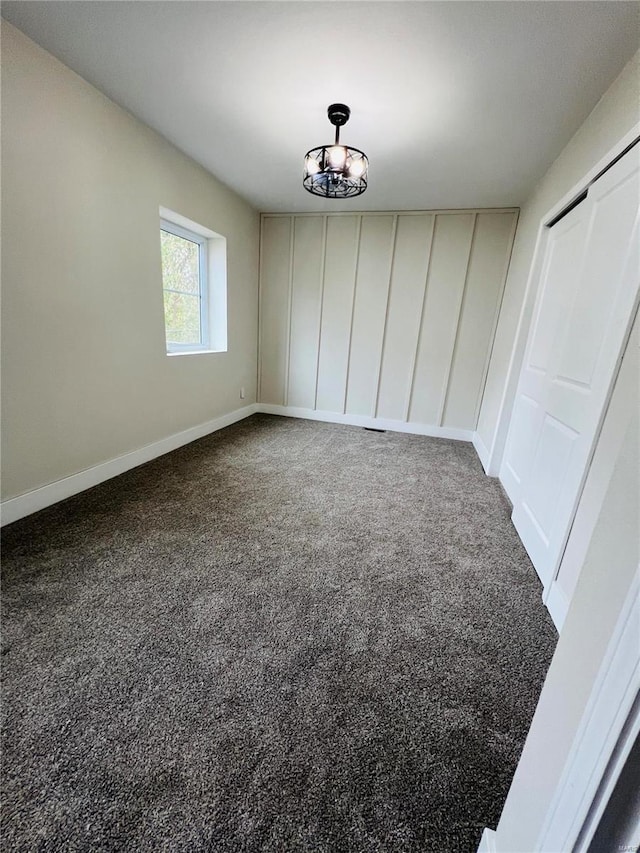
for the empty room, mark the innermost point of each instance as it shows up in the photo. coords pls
(320, 426)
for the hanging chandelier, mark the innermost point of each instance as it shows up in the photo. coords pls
(336, 171)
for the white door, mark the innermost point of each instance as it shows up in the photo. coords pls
(589, 285)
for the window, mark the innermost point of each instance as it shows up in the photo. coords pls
(194, 285)
(184, 282)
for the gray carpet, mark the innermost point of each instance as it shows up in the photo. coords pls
(288, 636)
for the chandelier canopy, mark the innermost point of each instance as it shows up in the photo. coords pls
(336, 171)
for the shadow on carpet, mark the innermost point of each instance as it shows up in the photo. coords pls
(287, 636)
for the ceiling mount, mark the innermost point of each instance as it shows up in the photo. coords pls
(338, 114)
(336, 171)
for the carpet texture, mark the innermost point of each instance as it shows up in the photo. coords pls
(287, 636)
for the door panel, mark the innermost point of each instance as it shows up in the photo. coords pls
(589, 287)
(560, 279)
(605, 258)
(526, 415)
(549, 467)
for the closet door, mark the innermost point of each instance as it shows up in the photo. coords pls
(589, 286)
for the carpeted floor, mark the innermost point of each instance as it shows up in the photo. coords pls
(288, 636)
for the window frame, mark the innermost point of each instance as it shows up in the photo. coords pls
(216, 290)
(203, 287)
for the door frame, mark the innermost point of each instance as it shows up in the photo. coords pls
(612, 712)
(552, 596)
(608, 729)
(603, 740)
(495, 456)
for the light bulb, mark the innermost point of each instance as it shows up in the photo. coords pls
(356, 168)
(337, 156)
(311, 166)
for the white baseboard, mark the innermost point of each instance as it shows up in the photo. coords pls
(365, 421)
(487, 842)
(30, 502)
(23, 505)
(482, 451)
(485, 456)
(557, 604)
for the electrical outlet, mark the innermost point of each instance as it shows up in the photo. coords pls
(242, 393)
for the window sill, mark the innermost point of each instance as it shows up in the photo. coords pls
(196, 352)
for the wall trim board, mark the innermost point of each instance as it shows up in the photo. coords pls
(441, 385)
(260, 309)
(423, 304)
(394, 242)
(487, 842)
(13, 509)
(397, 212)
(322, 283)
(505, 408)
(492, 469)
(367, 421)
(351, 315)
(456, 338)
(287, 350)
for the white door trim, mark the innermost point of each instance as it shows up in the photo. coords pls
(609, 710)
(556, 422)
(602, 743)
(496, 451)
(603, 740)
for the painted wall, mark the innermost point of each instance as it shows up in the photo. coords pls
(615, 115)
(85, 377)
(387, 316)
(610, 564)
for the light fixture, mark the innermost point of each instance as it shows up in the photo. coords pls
(336, 171)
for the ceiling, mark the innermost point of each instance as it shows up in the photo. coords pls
(457, 104)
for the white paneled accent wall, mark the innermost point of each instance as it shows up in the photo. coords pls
(384, 316)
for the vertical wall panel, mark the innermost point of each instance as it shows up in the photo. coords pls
(485, 282)
(445, 285)
(369, 312)
(408, 279)
(274, 307)
(387, 315)
(337, 302)
(308, 257)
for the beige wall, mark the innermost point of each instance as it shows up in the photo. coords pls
(85, 377)
(615, 115)
(387, 315)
